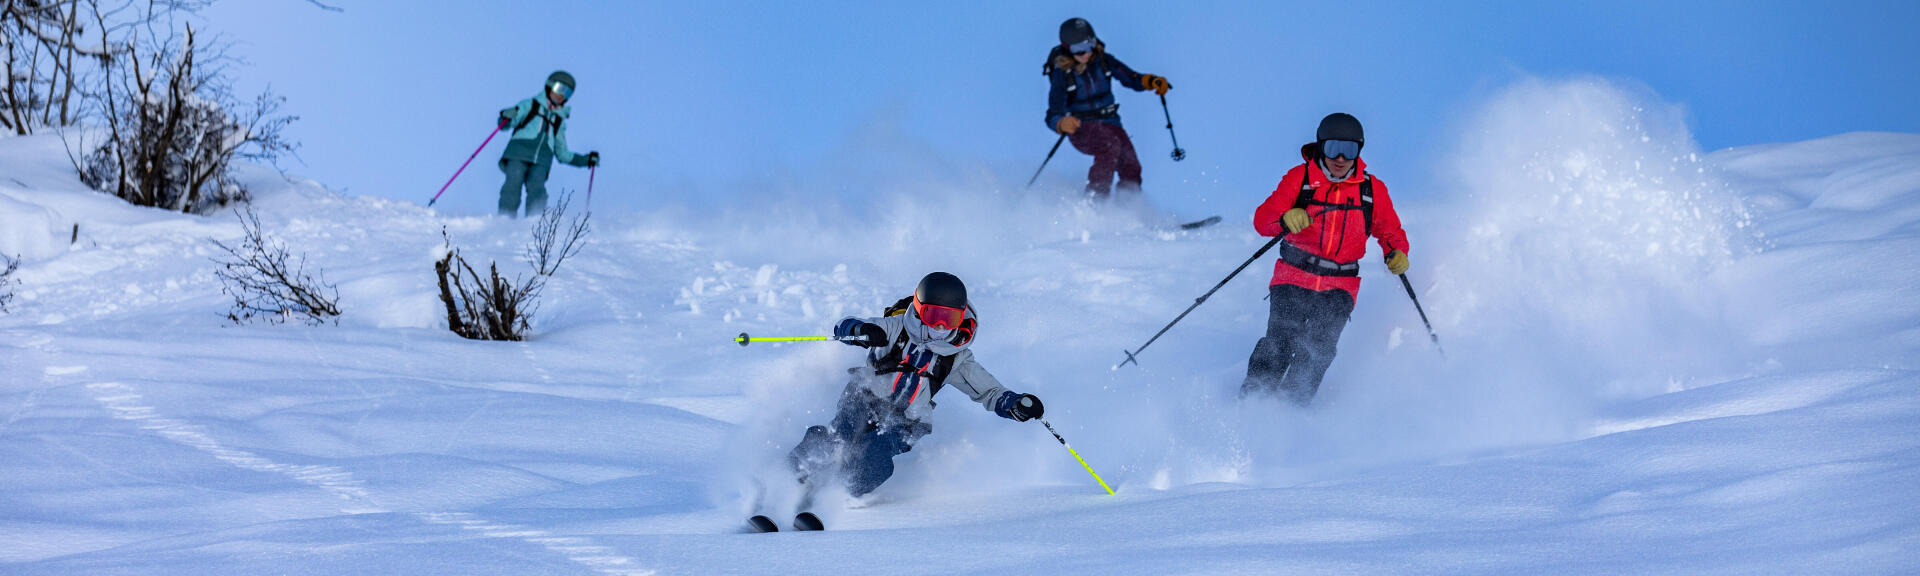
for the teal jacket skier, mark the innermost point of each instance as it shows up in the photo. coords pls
(539, 137)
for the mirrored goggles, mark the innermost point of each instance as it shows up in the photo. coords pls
(941, 317)
(1339, 148)
(1083, 46)
(565, 91)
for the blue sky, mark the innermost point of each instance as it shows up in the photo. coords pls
(702, 102)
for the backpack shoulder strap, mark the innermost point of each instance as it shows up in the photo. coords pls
(1366, 202)
(1306, 187)
(532, 112)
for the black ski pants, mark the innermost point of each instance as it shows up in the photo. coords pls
(859, 446)
(1303, 328)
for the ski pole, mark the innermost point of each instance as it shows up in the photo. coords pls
(590, 171)
(1076, 456)
(1198, 301)
(743, 339)
(1043, 163)
(463, 166)
(1423, 314)
(1178, 154)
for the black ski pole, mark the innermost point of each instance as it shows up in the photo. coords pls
(1423, 315)
(1043, 163)
(1178, 154)
(1198, 301)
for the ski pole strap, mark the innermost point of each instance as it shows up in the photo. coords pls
(1299, 258)
(1076, 456)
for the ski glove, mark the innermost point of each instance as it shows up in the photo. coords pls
(1295, 220)
(505, 119)
(593, 159)
(1068, 125)
(1019, 407)
(853, 327)
(1397, 262)
(1158, 84)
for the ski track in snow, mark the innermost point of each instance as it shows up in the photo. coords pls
(124, 402)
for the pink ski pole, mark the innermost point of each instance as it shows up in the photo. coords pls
(590, 171)
(463, 166)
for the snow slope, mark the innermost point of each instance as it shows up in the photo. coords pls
(1658, 361)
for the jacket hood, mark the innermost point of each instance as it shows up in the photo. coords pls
(939, 341)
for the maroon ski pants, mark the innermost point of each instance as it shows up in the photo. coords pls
(1112, 151)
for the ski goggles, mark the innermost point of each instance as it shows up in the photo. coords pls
(1336, 148)
(565, 91)
(1083, 46)
(942, 317)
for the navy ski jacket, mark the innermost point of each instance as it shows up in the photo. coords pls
(1087, 93)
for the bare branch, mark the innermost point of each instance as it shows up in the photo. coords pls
(265, 281)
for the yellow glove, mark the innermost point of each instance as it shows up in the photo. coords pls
(1068, 125)
(1295, 220)
(1158, 84)
(1397, 263)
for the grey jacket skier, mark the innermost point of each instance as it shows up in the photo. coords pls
(918, 348)
(539, 137)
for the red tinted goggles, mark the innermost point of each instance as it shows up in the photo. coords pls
(941, 317)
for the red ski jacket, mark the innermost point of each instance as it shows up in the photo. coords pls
(1338, 235)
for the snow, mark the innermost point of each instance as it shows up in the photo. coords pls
(1659, 360)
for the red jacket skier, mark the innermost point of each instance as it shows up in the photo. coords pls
(1326, 207)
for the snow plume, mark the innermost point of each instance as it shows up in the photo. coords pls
(1587, 225)
(1569, 268)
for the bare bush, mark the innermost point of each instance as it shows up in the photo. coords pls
(267, 282)
(493, 307)
(173, 128)
(55, 49)
(7, 281)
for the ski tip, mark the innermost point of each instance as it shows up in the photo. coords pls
(761, 524)
(1208, 221)
(807, 522)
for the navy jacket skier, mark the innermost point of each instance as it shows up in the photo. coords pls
(1080, 105)
(915, 350)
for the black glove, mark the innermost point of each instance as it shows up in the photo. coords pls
(853, 327)
(505, 120)
(1020, 407)
(593, 159)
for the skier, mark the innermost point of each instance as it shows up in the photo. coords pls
(915, 349)
(1080, 105)
(539, 136)
(1326, 208)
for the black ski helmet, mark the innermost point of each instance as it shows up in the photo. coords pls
(1340, 126)
(941, 289)
(1075, 31)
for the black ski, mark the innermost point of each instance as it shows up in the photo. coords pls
(807, 522)
(1209, 221)
(761, 524)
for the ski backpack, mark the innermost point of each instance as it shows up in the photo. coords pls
(535, 112)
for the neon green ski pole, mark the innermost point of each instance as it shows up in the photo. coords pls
(744, 339)
(1076, 456)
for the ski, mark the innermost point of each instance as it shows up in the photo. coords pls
(807, 522)
(761, 524)
(1208, 221)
